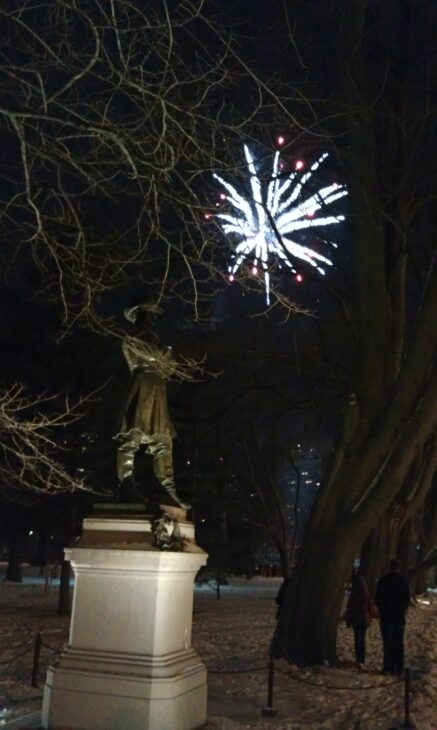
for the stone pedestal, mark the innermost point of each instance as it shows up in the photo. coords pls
(129, 664)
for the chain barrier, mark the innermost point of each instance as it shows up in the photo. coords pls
(17, 656)
(36, 647)
(238, 671)
(336, 687)
(270, 711)
(54, 650)
(249, 670)
(405, 680)
(39, 644)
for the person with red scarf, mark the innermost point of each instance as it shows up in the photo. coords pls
(359, 611)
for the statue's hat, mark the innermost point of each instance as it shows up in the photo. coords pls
(131, 312)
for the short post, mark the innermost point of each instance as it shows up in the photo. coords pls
(407, 697)
(36, 656)
(269, 711)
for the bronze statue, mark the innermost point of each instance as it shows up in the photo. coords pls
(145, 419)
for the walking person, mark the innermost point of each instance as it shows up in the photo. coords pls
(358, 615)
(392, 599)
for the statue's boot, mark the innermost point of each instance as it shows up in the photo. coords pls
(172, 499)
(161, 451)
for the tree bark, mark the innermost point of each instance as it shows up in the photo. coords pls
(14, 569)
(306, 631)
(374, 554)
(423, 571)
(64, 604)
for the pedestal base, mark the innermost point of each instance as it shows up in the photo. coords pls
(129, 664)
(102, 691)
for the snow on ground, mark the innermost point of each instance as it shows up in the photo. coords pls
(232, 636)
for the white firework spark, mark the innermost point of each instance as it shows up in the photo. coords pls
(264, 221)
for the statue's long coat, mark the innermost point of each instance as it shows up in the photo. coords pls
(146, 407)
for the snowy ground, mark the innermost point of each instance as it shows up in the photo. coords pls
(232, 636)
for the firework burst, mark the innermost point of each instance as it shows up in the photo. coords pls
(264, 220)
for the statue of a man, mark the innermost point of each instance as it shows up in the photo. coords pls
(145, 420)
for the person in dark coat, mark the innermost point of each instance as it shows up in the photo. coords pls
(359, 612)
(392, 599)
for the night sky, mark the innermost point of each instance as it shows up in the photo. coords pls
(103, 199)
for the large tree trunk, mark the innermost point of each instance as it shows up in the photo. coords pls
(407, 550)
(401, 526)
(392, 411)
(374, 555)
(14, 571)
(306, 631)
(42, 547)
(308, 620)
(64, 589)
(307, 628)
(428, 540)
